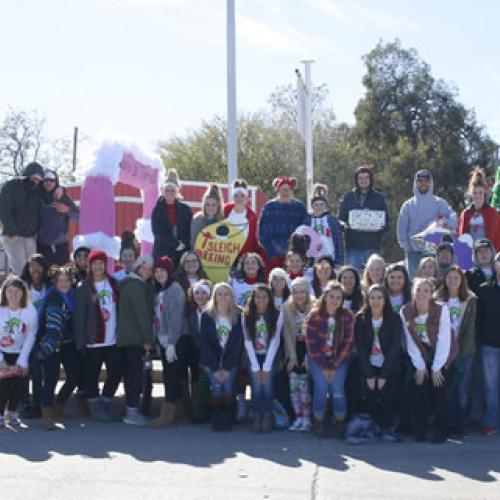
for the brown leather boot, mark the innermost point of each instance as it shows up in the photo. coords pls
(60, 412)
(48, 418)
(167, 416)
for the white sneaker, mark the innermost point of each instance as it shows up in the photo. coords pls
(12, 419)
(297, 425)
(306, 425)
(135, 418)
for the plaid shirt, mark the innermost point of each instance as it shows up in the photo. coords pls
(317, 336)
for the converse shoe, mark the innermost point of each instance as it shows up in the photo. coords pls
(296, 426)
(12, 419)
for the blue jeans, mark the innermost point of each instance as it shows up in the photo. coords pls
(412, 260)
(262, 394)
(225, 388)
(321, 388)
(491, 369)
(459, 392)
(358, 258)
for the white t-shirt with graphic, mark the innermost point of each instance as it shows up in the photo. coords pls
(239, 219)
(456, 310)
(108, 310)
(476, 227)
(320, 226)
(278, 302)
(223, 327)
(37, 296)
(242, 291)
(299, 327)
(376, 356)
(158, 311)
(396, 302)
(261, 336)
(330, 340)
(17, 332)
(347, 303)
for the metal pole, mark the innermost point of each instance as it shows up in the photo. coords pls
(75, 146)
(308, 127)
(232, 151)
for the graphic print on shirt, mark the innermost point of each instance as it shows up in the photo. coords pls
(331, 337)
(299, 328)
(376, 356)
(421, 329)
(243, 298)
(223, 335)
(455, 312)
(11, 328)
(105, 300)
(261, 336)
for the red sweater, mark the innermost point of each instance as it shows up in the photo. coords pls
(252, 242)
(491, 223)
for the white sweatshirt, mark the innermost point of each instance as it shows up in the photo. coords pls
(271, 347)
(442, 344)
(17, 332)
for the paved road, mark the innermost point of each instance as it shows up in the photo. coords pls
(88, 460)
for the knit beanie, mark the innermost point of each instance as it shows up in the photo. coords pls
(444, 246)
(484, 243)
(141, 260)
(278, 272)
(164, 263)
(172, 178)
(301, 284)
(98, 255)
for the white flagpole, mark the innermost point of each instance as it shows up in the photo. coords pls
(232, 151)
(308, 129)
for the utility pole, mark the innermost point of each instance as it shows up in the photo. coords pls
(308, 138)
(232, 136)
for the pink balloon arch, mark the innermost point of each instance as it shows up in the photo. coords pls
(117, 162)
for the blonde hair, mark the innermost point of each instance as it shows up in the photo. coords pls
(423, 262)
(212, 306)
(421, 281)
(477, 179)
(366, 281)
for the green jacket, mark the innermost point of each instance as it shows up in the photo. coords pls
(467, 332)
(135, 322)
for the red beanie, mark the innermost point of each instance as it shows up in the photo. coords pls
(164, 263)
(284, 180)
(98, 255)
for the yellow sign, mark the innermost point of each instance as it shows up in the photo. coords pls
(218, 245)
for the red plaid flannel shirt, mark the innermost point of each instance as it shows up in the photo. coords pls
(317, 336)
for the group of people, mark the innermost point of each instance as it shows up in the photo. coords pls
(413, 344)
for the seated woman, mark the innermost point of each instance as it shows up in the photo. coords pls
(329, 342)
(378, 332)
(221, 344)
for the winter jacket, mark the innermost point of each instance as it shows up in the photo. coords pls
(55, 322)
(335, 234)
(491, 223)
(173, 322)
(475, 278)
(53, 224)
(417, 213)
(466, 337)
(212, 355)
(277, 223)
(194, 327)
(85, 317)
(167, 238)
(20, 208)
(390, 337)
(136, 304)
(487, 317)
(354, 200)
(317, 335)
(252, 241)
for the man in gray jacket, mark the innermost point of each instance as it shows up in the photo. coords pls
(417, 213)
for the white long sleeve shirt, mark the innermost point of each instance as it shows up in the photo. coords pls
(17, 332)
(270, 350)
(442, 345)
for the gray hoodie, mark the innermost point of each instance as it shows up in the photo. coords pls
(418, 212)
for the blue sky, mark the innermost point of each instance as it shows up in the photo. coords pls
(147, 69)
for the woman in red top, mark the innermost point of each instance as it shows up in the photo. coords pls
(242, 216)
(479, 219)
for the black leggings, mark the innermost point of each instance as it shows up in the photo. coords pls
(69, 357)
(174, 373)
(12, 388)
(94, 358)
(132, 364)
(380, 403)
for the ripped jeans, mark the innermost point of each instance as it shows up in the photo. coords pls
(322, 388)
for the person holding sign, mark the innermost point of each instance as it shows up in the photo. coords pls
(378, 333)
(365, 215)
(262, 325)
(329, 343)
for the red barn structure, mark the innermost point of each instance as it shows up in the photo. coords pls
(128, 202)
